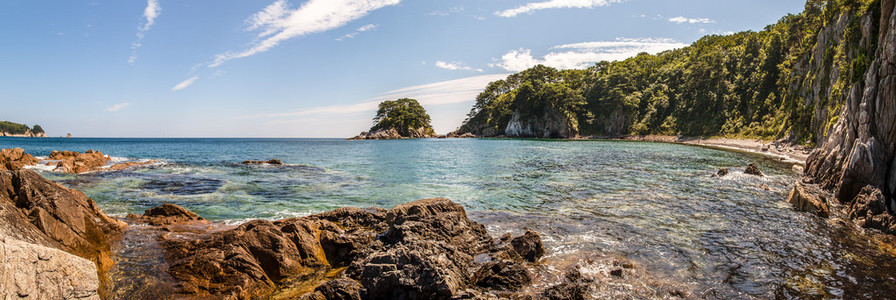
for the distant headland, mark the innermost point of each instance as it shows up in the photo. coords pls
(15, 129)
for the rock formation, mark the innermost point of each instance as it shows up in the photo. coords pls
(75, 162)
(419, 250)
(860, 149)
(14, 159)
(810, 199)
(392, 134)
(753, 169)
(37, 214)
(552, 124)
(258, 162)
(168, 214)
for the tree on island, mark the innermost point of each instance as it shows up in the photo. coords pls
(404, 115)
(37, 129)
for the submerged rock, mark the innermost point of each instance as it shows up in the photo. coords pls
(721, 172)
(809, 198)
(753, 169)
(258, 162)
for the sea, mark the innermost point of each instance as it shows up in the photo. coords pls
(657, 205)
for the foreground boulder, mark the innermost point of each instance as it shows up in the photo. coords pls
(15, 158)
(809, 198)
(419, 250)
(871, 209)
(76, 162)
(32, 271)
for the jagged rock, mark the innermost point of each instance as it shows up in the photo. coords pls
(32, 271)
(168, 214)
(76, 163)
(502, 275)
(809, 198)
(15, 158)
(258, 162)
(418, 250)
(528, 246)
(721, 172)
(871, 209)
(574, 287)
(753, 169)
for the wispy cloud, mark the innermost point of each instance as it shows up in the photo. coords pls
(278, 23)
(533, 6)
(454, 66)
(581, 55)
(117, 107)
(448, 12)
(150, 13)
(682, 20)
(184, 84)
(355, 33)
(429, 95)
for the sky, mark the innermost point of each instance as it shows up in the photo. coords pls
(312, 68)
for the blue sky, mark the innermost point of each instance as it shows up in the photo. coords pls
(311, 68)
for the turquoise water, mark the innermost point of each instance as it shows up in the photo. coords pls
(655, 203)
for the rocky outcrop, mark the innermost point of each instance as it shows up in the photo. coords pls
(260, 162)
(32, 271)
(551, 124)
(66, 217)
(860, 149)
(28, 133)
(392, 134)
(809, 198)
(753, 169)
(15, 158)
(456, 135)
(76, 162)
(419, 250)
(870, 209)
(168, 214)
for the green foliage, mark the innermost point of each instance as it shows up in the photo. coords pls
(747, 84)
(13, 128)
(404, 115)
(37, 129)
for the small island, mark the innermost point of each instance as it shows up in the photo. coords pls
(399, 119)
(20, 130)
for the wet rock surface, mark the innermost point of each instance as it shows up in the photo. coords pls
(76, 162)
(419, 250)
(259, 162)
(168, 214)
(15, 158)
(753, 169)
(809, 198)
(871, 209)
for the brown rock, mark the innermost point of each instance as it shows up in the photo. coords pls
(809, 198)
(870, 210)
(502, 275)
(528, 246)
(168, 214)
(574, 287)
(753, 169)
(721, 172)
(15, 158)
(76, 163)
(129, 164)
(258, 162)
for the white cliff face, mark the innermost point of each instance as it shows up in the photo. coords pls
(32, 271)
(549, 125)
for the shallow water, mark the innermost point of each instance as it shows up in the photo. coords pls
(654, 203)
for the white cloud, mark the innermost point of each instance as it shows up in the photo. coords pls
(455, 65)
(532, 7)
(278, 23)
(117, 107)
(432, 96)
(581, 55)
(184, 84)
(355, 33)
(681, 20)
(150, 13)
(445, 13)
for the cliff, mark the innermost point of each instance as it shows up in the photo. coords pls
(20, 130)
(788, 82)
(856, 160)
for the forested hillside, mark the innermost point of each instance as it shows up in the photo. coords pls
(788, 81)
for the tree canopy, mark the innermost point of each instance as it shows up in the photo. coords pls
(767, 84)
(404, 115)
